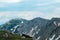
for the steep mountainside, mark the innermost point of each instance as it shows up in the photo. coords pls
(38, 28)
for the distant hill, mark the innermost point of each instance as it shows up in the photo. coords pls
(4, 35)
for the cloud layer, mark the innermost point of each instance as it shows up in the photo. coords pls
(10, 1)
(28, 9)
(6, 16)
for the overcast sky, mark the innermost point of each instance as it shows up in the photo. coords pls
(28, 9)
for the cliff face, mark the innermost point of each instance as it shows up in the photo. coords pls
(38, 28)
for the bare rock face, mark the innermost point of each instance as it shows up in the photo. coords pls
(38, 28)
(52, 30)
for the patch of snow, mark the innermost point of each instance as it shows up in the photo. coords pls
(31, 32)
(22, 22)
(24, 32)
(32, 29)
(37, 31)
(52, 37)
(57, 37)
(55, 23)
(36, 27)
(46, 39)
(38, 38)
(58, 24)
(16, 26)
(13, 29)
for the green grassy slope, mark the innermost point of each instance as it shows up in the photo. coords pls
(9, 36)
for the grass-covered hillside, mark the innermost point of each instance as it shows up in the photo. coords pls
(4, 35)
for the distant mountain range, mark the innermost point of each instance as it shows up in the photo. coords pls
(38, 28)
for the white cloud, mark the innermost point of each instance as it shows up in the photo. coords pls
(45, 3)
(39, 4)
(7, 15)
(55, 13)
(48, 2)
(57, 1)
(29, 15)
(10, 1)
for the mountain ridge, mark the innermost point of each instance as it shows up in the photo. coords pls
(38, 28)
